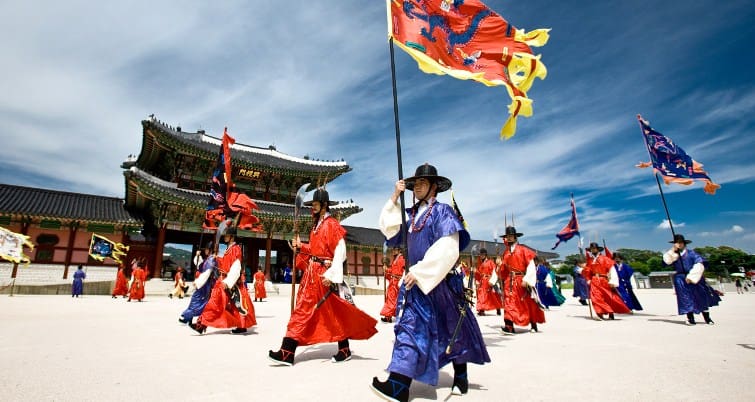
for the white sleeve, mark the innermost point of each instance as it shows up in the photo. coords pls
(696, 273)
(233, 274)
(613, 277)
(530, 277)
(390, 219)
(335, 272)
(202, 278)
(438, 260)
(198, 260)
(670, 257)
(493, 278)
(549, 281)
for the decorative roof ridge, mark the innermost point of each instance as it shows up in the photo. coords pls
(270, 151)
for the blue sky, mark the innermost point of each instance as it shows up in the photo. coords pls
(313, 78)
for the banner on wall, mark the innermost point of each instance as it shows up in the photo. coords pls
(100, 247)
(12, 246)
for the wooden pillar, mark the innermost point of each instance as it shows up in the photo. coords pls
(356, 265)
(159, 252)
(69, 248)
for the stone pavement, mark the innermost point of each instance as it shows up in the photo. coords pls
(55, 348)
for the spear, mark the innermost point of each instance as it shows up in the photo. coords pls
(297, 209)
(465, 304)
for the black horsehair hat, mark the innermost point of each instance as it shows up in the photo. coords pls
(429, 172)
(680, 239)
(510, 230)
(322, 196)
(594, 244)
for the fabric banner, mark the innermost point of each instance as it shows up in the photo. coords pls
(225, 201)
(12, 246)
(671, 161)
(101, 247)
(571, 229)
(468, 41)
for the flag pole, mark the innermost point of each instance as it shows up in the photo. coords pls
(398, 148)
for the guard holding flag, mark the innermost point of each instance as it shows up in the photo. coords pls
(520, 277)
(434, 292)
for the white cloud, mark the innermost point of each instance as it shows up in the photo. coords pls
(665, 225)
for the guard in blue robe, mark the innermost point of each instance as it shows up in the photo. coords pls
(203, 283)
(433, 291)
(625, 273)
(77, 288)
(581, 288)
(693, 295)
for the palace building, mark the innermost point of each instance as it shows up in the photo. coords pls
(166, 194)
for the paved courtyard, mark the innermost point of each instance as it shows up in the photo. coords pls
(99, 349)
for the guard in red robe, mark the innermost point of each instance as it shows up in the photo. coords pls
(602, 278)
(138, 279)
(121, 283)
(485, 280)
(230, 305)
(259, 285)
(520, 277)
(321, 313)
(392, 278)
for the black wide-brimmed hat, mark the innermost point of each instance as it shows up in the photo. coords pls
(510, 230)
(680, 239)
(594, 244)
(429, 172)
(483, 251)
(322, 196)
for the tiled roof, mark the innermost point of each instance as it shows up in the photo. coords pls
(269, 157)
(52, 204)
(201, 197)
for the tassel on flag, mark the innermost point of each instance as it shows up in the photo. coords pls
(12, 246)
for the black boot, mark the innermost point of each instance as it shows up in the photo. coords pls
(200, 328)
(534, 327)
(497, 311)
(395, 388)
(611, 317)
(461, 383)
(344, 353)
(583, 302)
(706, 316)
(508, 327)
(690, 319)
(285, 355)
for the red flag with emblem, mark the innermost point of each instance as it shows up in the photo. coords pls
(467, 40)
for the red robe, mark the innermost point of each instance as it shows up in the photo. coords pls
(487, 298)
(136, 292)
(121, 284)
(259, 285)
(392, 279)
(604, 298)
(220, 311)
(335, 319)
(518, 305)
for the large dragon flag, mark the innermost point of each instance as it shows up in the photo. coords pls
(225, 202)
(671, 161)
(12, 246)
(100, 247)
(571, 229)
(468, 41)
